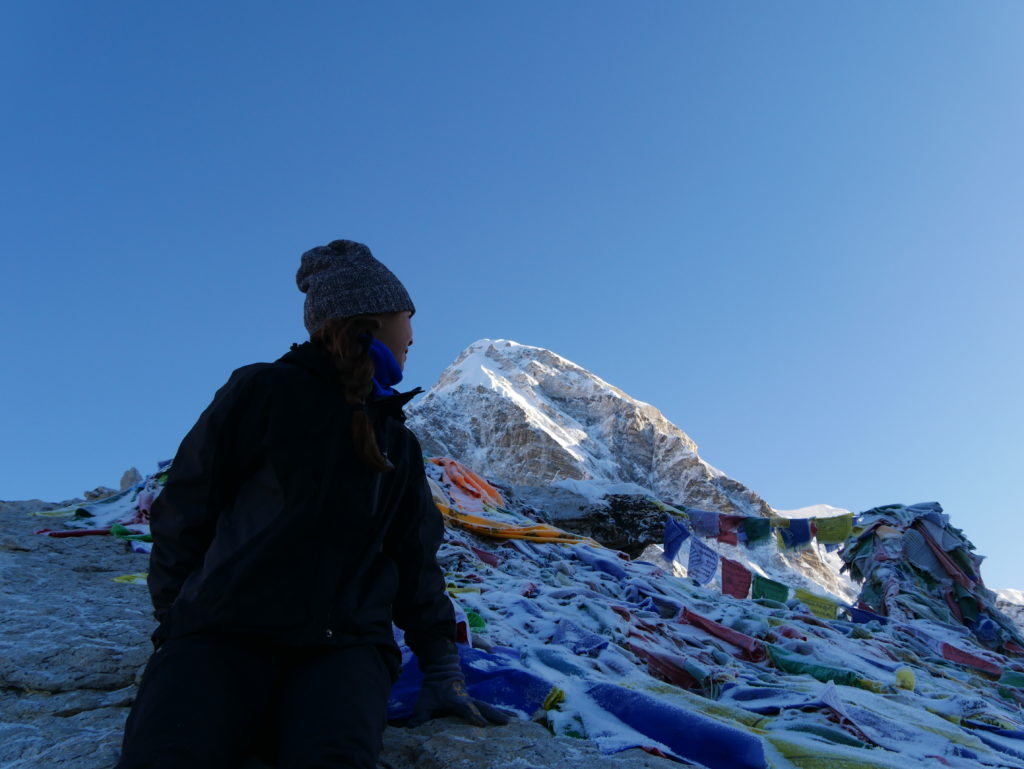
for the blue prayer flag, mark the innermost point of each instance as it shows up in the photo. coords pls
(798, 533)
(862, 615)
(704, 522)
(675, 535)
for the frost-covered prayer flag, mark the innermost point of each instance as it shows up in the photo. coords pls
(819, 605)
(703, 562)
(735, 579)
(675, 535)
(863, 615)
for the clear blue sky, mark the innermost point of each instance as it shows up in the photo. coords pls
(795, 227)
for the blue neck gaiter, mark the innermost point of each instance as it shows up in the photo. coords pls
(387, 372)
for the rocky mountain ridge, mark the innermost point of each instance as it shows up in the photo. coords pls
(530, 417)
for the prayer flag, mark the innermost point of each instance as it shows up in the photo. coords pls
(947, 563)
(832, 531)
(728, 537)
(797, 535)
(863, 615)
(757, 529)
(961, 657)
(916, 550)
(675, 535)
(1010, 678)
(703, 562)
(735, 579)
(754, 649)
(819, 605)
(727, 525)
(770, 589)
(703, 522)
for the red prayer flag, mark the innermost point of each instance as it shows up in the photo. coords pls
(667, 667)
(74, 532)
(947, 563)
(753, 648)
(727, 526)
(488, 558)
(735, 579)
(961, 657)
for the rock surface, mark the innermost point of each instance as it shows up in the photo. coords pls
(627, 522)
(131, 477)
(74, 642)
(100, 492)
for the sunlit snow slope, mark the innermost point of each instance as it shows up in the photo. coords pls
(530, 417)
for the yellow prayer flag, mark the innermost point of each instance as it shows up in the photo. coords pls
(819, 605)
(131, 579)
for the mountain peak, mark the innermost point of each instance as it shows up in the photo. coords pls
(531, 417)
(486, 361)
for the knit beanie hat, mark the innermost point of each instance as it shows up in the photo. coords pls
(343, 279)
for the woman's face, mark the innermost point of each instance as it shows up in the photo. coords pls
(396, 332)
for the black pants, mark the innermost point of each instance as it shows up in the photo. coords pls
(209, 702)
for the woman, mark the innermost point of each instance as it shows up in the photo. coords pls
(296, 524)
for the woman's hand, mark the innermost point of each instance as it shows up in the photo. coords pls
(443, 693)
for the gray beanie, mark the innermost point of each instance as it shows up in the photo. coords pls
(343, 279)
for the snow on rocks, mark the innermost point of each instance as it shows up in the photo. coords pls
(636, 656)
(526, 416)
(1011, 603)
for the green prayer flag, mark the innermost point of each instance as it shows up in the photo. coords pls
(476, 622)
(1010, 678)
(770, 589)
(834, 531)
(123, 532)
(757, 529)
(824, 673)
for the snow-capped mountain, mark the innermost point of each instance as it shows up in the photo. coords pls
(1011, 603)
(530, 417)
(585, 455)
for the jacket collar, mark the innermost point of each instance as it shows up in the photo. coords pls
(317, 361)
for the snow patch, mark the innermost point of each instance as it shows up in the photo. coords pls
(1012, 596)
(594, 491)
(811, 511)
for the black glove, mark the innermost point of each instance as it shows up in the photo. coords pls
(443, 693)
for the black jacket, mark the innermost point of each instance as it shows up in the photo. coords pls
(271, 527)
